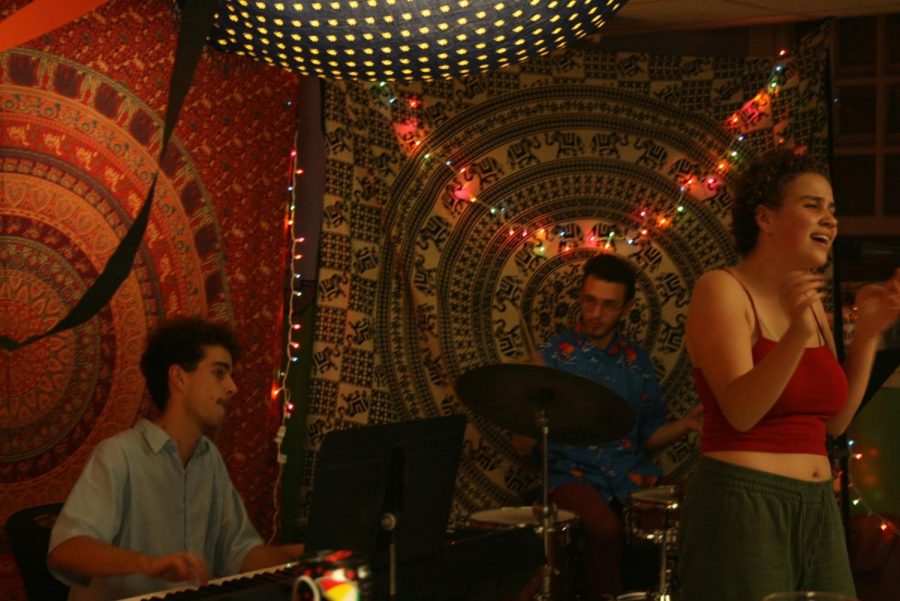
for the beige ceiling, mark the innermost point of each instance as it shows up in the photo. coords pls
(644, 16)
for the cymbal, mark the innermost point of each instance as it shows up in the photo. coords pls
(579, 410)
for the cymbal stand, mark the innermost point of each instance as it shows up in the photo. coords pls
(547, 569)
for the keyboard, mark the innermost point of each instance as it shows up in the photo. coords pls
(267, 584)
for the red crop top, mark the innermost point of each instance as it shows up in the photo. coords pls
(815, 393)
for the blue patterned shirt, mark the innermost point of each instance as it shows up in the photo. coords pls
(134, 494)
(619, 467)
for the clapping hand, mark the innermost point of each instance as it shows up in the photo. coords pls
(801, 291)
(877, 306)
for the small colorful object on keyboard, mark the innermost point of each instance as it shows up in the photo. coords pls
(338, 575)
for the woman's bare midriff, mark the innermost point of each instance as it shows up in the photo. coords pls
(800, 466)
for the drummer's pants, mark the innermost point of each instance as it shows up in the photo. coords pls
(746, 534)
(603, 539)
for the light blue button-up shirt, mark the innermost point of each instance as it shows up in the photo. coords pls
(619, 467)
(135, 494)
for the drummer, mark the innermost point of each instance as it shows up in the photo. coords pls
(595, 481)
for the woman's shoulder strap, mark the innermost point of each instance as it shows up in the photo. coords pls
(749, 297)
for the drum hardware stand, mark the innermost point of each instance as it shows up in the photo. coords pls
(389, 524)
(392, 510)
(547, 569)
(524, 398)
(543, 423)
(663, 594)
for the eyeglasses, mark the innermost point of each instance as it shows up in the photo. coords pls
(604, 305)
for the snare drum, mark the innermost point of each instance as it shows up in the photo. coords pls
(564, 542)
(653, 512)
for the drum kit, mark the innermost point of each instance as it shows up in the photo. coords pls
(552, 405)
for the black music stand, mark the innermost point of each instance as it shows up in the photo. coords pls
(385, 491)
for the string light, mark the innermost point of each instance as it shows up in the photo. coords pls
(280, 385)
(885, 524)
(466, 186)
(293, 346)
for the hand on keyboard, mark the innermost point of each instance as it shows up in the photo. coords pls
(179, 567)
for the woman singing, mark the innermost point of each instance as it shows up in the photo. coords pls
(760, 514)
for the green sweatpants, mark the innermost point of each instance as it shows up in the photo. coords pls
(745, 534)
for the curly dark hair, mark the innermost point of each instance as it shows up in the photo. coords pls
(180, 341)
(762, 182)
(611, 269)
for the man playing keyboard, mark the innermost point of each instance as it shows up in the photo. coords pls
(154, 507)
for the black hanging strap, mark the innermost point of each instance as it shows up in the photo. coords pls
(196, 24)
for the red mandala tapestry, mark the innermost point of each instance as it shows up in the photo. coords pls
(81, 115)
(77, 158)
